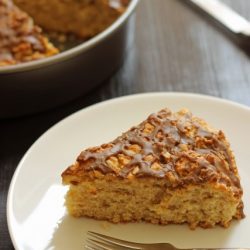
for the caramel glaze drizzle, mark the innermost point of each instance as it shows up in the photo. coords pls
(211, 158)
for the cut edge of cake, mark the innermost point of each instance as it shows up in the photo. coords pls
(85, 18)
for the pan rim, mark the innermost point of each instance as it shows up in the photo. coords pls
(26, 66)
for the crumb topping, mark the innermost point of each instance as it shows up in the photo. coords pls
(176, 146)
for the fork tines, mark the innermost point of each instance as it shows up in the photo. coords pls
(96, 241)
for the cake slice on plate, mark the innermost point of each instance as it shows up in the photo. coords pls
(171, 168)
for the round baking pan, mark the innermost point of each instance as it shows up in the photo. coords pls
(39, 85)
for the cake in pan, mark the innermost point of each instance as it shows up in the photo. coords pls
(21, 38)
(84, 18)
(171, 168)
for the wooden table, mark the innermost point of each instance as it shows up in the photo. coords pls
(176, 49)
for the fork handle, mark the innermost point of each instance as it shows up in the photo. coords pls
(218, 249)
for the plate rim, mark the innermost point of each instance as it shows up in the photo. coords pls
(176, 94)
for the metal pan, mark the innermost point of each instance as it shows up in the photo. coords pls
(39, 85)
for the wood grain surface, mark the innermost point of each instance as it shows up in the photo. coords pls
(176, 48)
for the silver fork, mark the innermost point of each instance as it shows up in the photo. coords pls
(96, 241)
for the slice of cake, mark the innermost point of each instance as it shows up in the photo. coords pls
(84, 18)
(171, 168)
(20, 39)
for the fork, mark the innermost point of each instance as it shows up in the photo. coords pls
(96, 241)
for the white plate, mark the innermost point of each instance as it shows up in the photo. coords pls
(37, 218)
